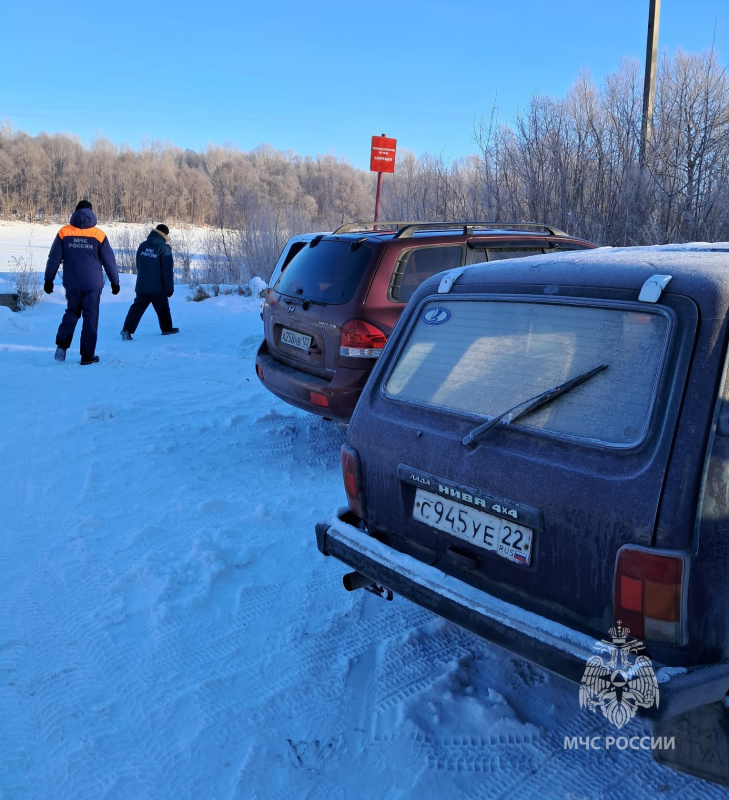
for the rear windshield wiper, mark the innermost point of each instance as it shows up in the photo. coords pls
(305, 302)
(520, 409)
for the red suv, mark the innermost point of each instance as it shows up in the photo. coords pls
(332, 306)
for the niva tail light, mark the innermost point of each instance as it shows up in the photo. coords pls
(360, 339)
(650, 594)
(351, 475)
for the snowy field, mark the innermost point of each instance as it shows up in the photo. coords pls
(25, 243)
(22, 240)
(169, 629)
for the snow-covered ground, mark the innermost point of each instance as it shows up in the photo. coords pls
(169, 629)
(26, 242)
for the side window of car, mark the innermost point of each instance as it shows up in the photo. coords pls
(293, 250)
(295, 247)
(714, 502)
(564, 246)
(415, 265)
(501, 253)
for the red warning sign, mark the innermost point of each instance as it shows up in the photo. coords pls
(382, 157)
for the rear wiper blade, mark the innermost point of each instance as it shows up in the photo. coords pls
(306, 303)
(533, 403)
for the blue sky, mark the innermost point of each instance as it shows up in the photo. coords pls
(316, 78)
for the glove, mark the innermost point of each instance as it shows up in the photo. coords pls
(115, 288)
(48, 287)
(169, 294)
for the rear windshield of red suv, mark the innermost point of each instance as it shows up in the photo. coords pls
(329, 272)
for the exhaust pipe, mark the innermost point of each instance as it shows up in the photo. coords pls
(356, 580)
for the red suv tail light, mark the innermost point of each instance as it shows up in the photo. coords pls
(350, 473)
(318, 399)
(650, 590)
(360, 339)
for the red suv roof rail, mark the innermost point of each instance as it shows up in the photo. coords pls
(406, 230)
(348, 227)
(473, 227)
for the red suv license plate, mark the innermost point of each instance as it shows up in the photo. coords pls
(294, 339)
(504, 537)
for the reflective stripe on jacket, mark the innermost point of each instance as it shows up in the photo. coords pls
(83, 250)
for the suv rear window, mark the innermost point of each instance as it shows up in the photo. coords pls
(484, 357)
(329, 272)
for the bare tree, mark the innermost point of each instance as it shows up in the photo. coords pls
(186, 245)
(571, 162)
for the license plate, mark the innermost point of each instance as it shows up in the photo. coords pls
(299, 340)
(504, 537)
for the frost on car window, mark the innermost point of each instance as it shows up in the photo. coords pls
(487, 356)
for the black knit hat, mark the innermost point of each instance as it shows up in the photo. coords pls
(83, 204)
(162, 228)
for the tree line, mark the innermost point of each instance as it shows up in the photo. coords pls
(571, 162)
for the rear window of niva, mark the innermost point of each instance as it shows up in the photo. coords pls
(484, 357)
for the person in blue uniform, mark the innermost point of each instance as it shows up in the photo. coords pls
(84, 251)
(155, 283)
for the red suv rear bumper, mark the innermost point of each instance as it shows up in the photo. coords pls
(297, 387)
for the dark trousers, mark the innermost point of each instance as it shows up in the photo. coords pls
(161, 305)
(80, 303)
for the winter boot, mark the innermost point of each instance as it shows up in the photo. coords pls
(170, 331)
(126, 336)
(60, 354)
(89, 359)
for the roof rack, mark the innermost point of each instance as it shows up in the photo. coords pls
(406, 230)
(368, 226)
(472, 227)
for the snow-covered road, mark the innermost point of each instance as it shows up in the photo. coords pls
(169, 629)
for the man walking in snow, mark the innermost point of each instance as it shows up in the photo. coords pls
(155, 283)
(84, 250)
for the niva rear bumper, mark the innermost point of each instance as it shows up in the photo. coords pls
(549, 644)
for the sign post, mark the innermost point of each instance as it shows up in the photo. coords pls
(382, 159)
(649, 82)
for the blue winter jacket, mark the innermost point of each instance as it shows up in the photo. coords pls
(155, 266)
(84, 250)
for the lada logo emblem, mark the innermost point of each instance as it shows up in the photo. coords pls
(436, 316)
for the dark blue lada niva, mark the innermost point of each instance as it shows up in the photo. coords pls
(541, 455)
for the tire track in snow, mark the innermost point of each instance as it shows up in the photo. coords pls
(92, 714)
(358, 707)
(76, 721)
(23, 524)
(304, 441)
